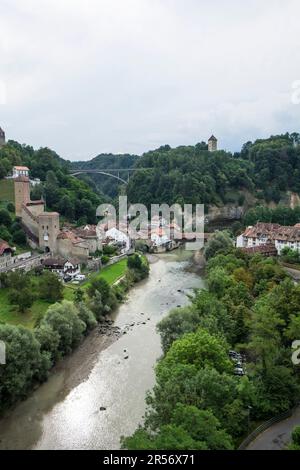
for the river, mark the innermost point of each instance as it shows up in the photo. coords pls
(67, 412)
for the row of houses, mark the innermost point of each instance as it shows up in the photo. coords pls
(269, 239)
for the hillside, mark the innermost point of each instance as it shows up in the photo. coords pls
(263, 172)
(6, 191)
(76, 200)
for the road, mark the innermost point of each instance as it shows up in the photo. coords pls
(277, 436)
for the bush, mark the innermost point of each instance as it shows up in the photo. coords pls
(50, 287)
(109, 250)
(5, 218)
(104, 259)
(11, 207)
(19, 237)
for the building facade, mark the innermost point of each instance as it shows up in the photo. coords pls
(19, 171)
(281, 236)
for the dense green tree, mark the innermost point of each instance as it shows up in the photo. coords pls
(50, 287)
(23, 298)
(219, 243)
(87, 316)
(24, 364)
(64, 320)
(5, 218)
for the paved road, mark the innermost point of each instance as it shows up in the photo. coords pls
(294, 273)
(278, 435)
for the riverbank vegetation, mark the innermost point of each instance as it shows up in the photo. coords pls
(250, 306)
(30, 354)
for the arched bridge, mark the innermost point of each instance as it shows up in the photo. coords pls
(112, 172)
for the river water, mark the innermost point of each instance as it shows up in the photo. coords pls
(64, 413)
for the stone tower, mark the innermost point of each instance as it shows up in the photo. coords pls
(212, 144)
(22, 193)
(48, 223)
(2, 137)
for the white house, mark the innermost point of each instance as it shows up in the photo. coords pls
(20, 171)
(118, 236)
(264, 233)
(62, 267)
(159, 237)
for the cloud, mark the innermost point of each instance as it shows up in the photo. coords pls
(84, 77)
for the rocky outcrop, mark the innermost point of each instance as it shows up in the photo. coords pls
(226, 212)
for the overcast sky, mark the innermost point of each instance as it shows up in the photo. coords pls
(91, 76)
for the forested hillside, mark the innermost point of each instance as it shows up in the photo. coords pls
(73, 198)
(190, 174)
(266, 169)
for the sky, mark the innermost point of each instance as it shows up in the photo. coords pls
(90, 76)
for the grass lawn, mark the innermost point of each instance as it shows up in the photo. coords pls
(7, 193)
(10, 314)
(110, 273)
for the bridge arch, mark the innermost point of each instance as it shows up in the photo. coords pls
(99, 172)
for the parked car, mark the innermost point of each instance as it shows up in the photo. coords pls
(79, 277)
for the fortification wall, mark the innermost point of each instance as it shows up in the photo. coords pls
(66, 249)
(30, 221)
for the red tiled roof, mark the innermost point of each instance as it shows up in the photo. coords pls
(273, 232)
(268, 249)
(21, 168)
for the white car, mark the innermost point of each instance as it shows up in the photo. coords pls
(79, 277)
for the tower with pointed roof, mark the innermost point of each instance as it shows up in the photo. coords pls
(212, 144)
(2, 137)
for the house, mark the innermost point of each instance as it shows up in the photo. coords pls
(63, 267)
(88, 233)
(118, 237)
(268, 250)
(69, 244)
(159, 238)
(281, 236)
(19, 171)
